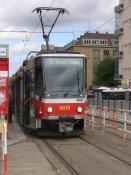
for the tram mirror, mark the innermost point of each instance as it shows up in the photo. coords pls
(31, 86)
(31, 80)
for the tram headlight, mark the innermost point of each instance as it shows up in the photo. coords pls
(40, 111)
(79, 109)
(49, 109)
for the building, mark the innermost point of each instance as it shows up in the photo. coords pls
(95, 46)
(123, 31)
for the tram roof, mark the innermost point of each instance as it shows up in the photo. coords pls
(117, 90)
(61, 55)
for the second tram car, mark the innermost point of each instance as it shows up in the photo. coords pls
(116, 94)
(49, 93)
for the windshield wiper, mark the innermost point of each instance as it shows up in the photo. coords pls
(78, 81)
(44, 77)
(65, 95)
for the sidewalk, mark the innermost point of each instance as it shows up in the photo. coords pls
(24, 157)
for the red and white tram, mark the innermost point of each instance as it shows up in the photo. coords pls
(49, 93)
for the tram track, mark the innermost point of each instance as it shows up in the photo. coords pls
(72, 169)
(106, 149)
(65, 161)
(66, 156)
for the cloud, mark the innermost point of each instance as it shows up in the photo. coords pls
(17, 13)
(21, 48)
(19, 53)
(13, 35)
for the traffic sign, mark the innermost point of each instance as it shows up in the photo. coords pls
(4, 51)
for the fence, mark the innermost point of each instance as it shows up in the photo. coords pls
(117, 104)
(4, 144)
(110, 118)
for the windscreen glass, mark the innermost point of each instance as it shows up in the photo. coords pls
(63, 74)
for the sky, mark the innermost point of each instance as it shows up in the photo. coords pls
(84, 15)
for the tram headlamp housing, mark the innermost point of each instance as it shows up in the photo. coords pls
(79, 109)
(49, 109)
(40, 111)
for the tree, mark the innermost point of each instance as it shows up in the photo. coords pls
(104, 72)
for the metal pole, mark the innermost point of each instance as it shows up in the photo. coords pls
(4, 144)
(46, 37)
(125, 127)
(104, 121)
(93, 119)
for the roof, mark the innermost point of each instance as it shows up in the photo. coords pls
(98, 35)
(117, 90)
(61, 55)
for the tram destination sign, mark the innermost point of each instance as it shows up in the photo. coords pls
(4, 51)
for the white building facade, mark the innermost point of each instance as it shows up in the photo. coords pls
(123, 32)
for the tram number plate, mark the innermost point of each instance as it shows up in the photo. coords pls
(66, 127)
(64, 108)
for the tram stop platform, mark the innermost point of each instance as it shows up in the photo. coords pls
(24, 157)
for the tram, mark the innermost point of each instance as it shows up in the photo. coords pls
(116, 94)
(49, 93)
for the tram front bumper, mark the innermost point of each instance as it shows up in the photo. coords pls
(63, 124)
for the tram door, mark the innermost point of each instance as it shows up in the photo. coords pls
(21, 102)
(27, 98)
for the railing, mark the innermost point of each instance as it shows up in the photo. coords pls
(117, 104)
(118, 54)
(119, 31)
(119, 8)
(110, 118)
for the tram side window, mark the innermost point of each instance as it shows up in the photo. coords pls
(113, 95)
(106, 95)
(129, 96)
(39, 78)
(121, 96)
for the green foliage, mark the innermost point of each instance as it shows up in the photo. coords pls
(104, 72)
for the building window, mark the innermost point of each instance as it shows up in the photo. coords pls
(87, 42)
(97, 42)
(129, 23)
(125, 69)
(106, 53)
(114, 51)
(129, 48)
(115, 42)
(129, 2)
(103, 42)
(122, 69)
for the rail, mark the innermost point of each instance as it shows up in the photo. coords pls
(117, 104)
(110, 118)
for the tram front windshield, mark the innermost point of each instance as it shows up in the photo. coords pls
(63, 74)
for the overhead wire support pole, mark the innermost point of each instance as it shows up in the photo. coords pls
(39, 12)
(46, 37)
(60, 12)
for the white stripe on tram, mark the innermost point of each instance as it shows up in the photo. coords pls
(63, 100)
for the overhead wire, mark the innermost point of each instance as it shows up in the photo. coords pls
(28, 38)
(36, 32)
(39, 22)
(106, 22)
